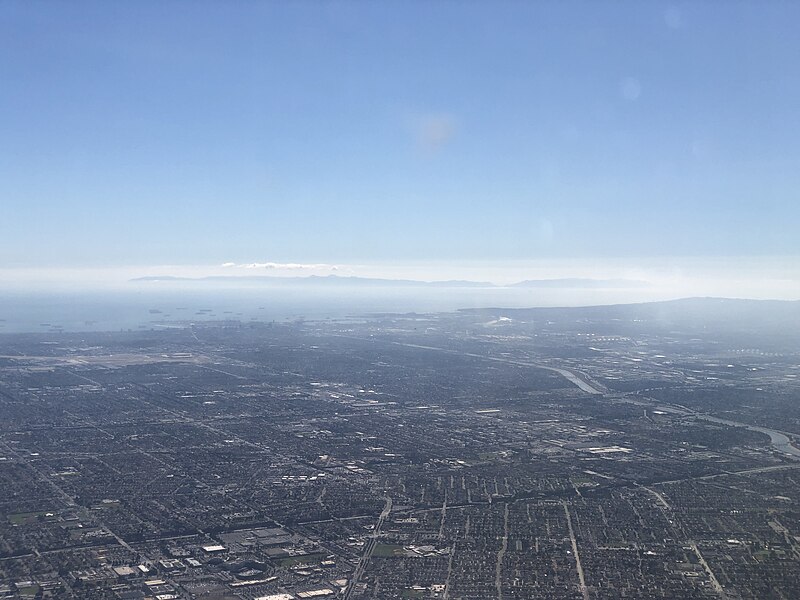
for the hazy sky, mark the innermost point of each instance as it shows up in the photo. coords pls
(169, 133)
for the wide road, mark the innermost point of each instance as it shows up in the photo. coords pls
(369, 547)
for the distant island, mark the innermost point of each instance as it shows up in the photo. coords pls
(565, 283)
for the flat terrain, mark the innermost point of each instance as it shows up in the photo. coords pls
(581, 453)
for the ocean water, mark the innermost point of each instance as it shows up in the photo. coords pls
(145, 308)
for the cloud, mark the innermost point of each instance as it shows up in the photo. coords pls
(435, 131)
(283, 266)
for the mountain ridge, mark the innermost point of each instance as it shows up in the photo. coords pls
(556, 283)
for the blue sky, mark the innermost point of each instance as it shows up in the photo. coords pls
(185, 133)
